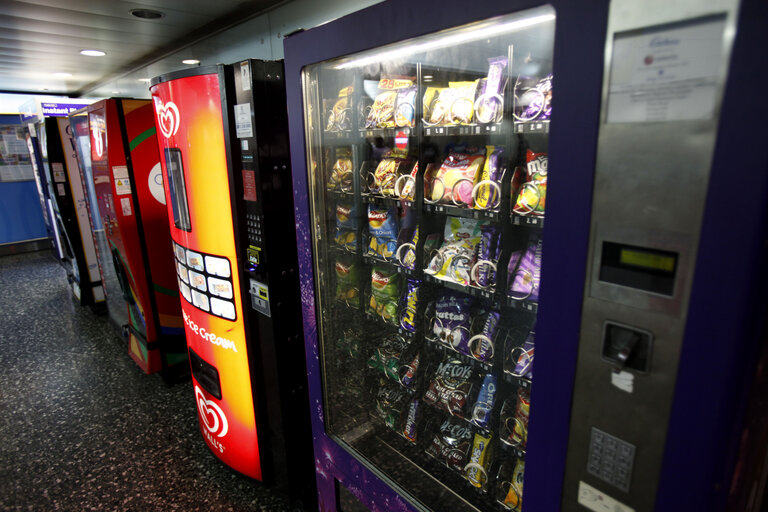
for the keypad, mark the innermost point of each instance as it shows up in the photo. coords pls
(611, 459)
(254, 228)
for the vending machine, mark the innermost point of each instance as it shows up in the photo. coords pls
(129, 191)
(68, 211)
(223, 135)
(43, 190)
(117, 309)
(478, 338)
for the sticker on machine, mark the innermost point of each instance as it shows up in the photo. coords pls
(597, 501)
(243, 125)
(60, 189)
(122, 182)
(58, 172)
(260, 297)
(125, 204)
(245, 75)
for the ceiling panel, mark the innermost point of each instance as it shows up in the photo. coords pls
(41, 37)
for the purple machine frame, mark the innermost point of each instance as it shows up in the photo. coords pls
(578, 70)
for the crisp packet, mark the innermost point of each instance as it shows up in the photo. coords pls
(452, 320)
(456, 178)
(431, 95)
(450, 387)
(516, 427)
(476, 471)
(346, 216)
(347, 278)
(440, 105)
(383, 110)
(531, 198)
(386, 357)
(488, 186)
(385, 293)
(386, 174)
(524, 283)
(489, 104)
(453, 261)
(463, 105)
(389, 404)
(405, 109)
(410, 303)
(341, 173)
(450, 444)
(382, 226)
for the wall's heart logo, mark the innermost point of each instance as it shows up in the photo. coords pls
(211, 414)
(168, 118)
(98, 141)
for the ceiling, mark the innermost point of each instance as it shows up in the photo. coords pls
(39, 38)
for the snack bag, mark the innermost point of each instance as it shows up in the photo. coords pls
(383, 110)
(531, 198)
(463, 105)
(452, 320)
(347, 279)
(382, 227)
(454, 260)
(533, 99)
(488, 195)
(524, 361)
(524, 282)
(389, 404)
(431, 95)
(487, 255)
(409, 304)
(486, 398)
(341, 173)
(350, 341)
(385, 294)
(489, 104)
(405, 110)
(346, 239)
(456, 178)
(476, 470)
(450, 444)
(386, 357)
(386, 173)
(513, 499)
(409, 427)
(346, 216)
(515, 428)
(450, 387)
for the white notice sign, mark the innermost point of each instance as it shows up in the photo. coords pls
(667, 73)
(243, 126)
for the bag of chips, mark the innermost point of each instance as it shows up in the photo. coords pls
(382, 227)
(341, 173)
(385, 294)
(454, 260)
(389, 169)
(386, 357)
(405, 109)
(347, 280)
(450, 444)
(390, 402)
(532, 195)
(450, 387)
(452, 320)
(346, 216)
(456, 178)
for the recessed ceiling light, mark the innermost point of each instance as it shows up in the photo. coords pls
(190, 61)
(62, 75)
(147, 14)
(93, 53)
(144, 79)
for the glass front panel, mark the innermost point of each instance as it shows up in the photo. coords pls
(428, 172)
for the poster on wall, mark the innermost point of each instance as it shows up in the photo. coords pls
(15, 162)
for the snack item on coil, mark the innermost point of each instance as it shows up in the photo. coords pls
(483, 273)
(340, 177)
(532, 194)
(476, 470)
(410, 302)
(489, 103)
(386, 357)
(454, 260)
(524, 277)
(451, 386)
(533, 99)
(347, 279)
(487, 193)
(450, 444)
(486, 399)
(383, 230)
(456, 178)
(385, 293)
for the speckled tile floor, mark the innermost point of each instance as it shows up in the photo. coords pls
(81, 427)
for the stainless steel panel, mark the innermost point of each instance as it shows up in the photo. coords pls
(650, 187)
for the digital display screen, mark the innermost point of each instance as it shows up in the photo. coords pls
(649, 260)
(643, 268)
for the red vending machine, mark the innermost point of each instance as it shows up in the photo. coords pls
(131, 202)
(222, 132)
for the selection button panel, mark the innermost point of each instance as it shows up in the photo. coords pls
(205, 281)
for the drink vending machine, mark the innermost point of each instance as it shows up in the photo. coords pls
(117, 309)
(480, 338)
(43, 190)
(131, 201)
(222, 132)
(70, 221)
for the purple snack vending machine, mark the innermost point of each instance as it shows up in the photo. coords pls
(441, 270)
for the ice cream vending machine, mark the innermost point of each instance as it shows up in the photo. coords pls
(128, 185)
(223, 137)
(479, 338)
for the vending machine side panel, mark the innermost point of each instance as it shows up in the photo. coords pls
(194, 159)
